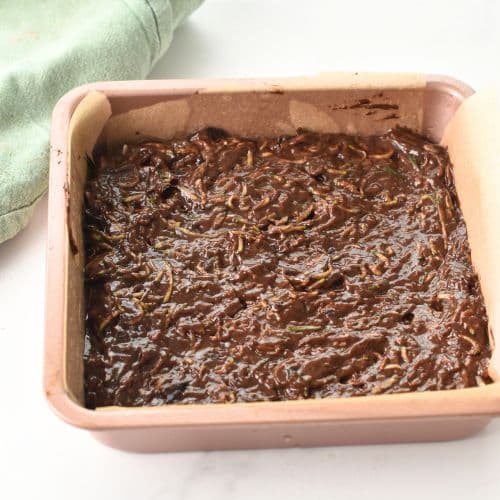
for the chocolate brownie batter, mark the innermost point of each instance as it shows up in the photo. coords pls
(222, 269)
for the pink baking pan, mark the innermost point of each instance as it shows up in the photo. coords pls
(104, 113)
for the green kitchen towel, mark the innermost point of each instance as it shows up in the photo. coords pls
(48, 47)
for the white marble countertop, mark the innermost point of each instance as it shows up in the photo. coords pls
(41, 457)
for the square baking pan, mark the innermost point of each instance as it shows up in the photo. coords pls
(101, 114)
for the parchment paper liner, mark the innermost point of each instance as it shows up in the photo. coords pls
(326, 104)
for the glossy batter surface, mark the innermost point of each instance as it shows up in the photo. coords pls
(222, 269)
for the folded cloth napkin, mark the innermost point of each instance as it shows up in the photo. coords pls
(48, 47)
